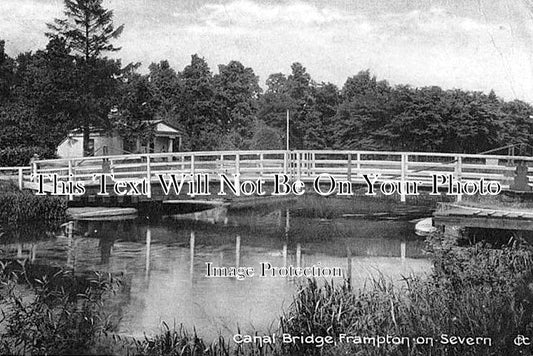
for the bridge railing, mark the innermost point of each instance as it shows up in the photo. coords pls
(304, 165)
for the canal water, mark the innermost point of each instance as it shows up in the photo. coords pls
(164, 263)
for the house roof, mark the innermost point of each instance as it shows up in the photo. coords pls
(162, 127)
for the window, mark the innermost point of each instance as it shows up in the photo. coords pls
(130, 145)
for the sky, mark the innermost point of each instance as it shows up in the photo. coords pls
(465, 44)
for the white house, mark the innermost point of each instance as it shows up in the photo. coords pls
(166, 139)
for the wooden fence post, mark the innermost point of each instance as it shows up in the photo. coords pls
(261, 164)
(70, 178)
(458, 173)
(237, 165)
(20, 178)
(299, 162)
(403, 177)
(237, 174)
(314, 163)
(349, 173)
(358, 164)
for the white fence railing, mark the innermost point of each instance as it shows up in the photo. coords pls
(304, 165)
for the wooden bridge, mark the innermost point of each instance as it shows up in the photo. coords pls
(349, 166)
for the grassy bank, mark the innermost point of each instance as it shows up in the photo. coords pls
(316, 206)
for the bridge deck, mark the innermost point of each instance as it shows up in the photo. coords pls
(501, 218)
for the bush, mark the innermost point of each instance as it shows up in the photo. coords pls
(19, 207)
(266, 138)
(20, 156)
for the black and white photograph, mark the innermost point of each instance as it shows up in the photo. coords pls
(266, 177)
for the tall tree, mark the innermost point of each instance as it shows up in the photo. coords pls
(236, 92)
(88, 28)
(197, 112)
(7, 73)
(88, 31)
(135, 106)
(166, 90)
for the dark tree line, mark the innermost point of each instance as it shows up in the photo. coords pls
(71, 84)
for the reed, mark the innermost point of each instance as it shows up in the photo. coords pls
(472, 292)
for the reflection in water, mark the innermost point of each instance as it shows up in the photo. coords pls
(164, 263)
(148, 243)
(191, 244)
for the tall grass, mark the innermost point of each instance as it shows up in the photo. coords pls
(472, 292)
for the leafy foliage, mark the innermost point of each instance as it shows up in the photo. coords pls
(70, 84)
(20, 156)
